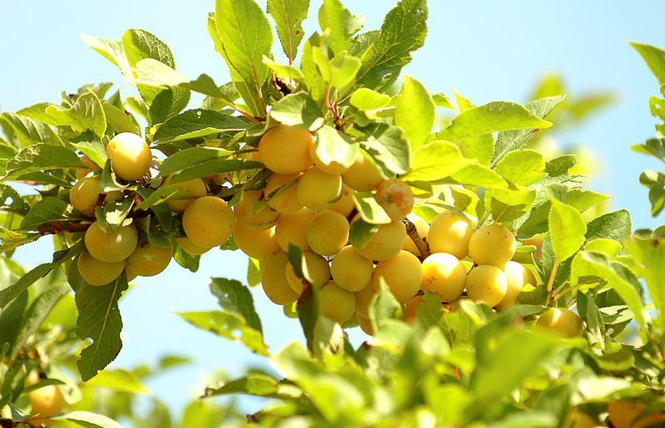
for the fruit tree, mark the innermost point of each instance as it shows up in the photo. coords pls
(494, 287)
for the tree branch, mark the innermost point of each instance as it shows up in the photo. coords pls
(423, 247)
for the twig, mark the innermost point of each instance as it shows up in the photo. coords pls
(421, 245)
(55, 227)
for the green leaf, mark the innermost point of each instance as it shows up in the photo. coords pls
(41, 157)
(514, 140)
(167, 104)
(229, 325)
(369, 209)
(402, 32)
(49, 209)
(415, 111)
(567, 230)
(10, 292)
(476, 174)
(560, 164)
(514, 358)
(29, 131)
(283, 70)
(599, 265)
(650, 253)
(188, 158)
(140, 44)
(120, 380)
(338, 71)
(88, 419)
(615, 225)
(37, 313)
(523, 167)
(480, 147)
(655, 59)
(386, 144)
(256, 384)
(246, 37)
(492, 117)
(361, 232)
(247, 89)
(384, 307)
(153, 73)
(235, 297)
(298, 110)
(120, 120)
(341, 23)
(288, 16)
(333, 146)
(435, 161)
(111, 49)
(511, 203)
(198, 123)
(87, 113)
(11, 318)
(198, 162)
(365, 99)
(99, 319)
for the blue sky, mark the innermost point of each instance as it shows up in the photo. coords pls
(488, 50)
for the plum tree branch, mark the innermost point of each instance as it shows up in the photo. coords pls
(423, 247)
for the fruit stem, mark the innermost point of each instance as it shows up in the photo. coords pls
(423, 247)
(550, 282)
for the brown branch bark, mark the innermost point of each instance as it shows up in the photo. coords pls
(420, 243)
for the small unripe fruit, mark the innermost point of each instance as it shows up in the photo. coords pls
(247, 213)
(327, 232)
(285, 149)
(85, 195)
(336, 303)
(486, 283)
(98, 273)
(395, 197)
(444, 275)
(286, 201)
(314, 267)
(402, 274)
(112, 245)
(45, 402)
(363, 175)
(317, 190)
(291, 228)
(450, 233)
(345, 204)
(331, 168)
(273, 279)
(365, 325)
(350, 270)
(422, 227)
(364, 299)
(257, 244)
(386, 243)
(130, 156)
(195, 188)
(148, 260)
(517, 277)
(561, 321)
(191, 248)
(492, 245)
(208, 222)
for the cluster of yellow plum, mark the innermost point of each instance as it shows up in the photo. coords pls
(308, 202)
(110, 251)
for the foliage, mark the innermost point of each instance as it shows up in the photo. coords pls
(459, 363)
